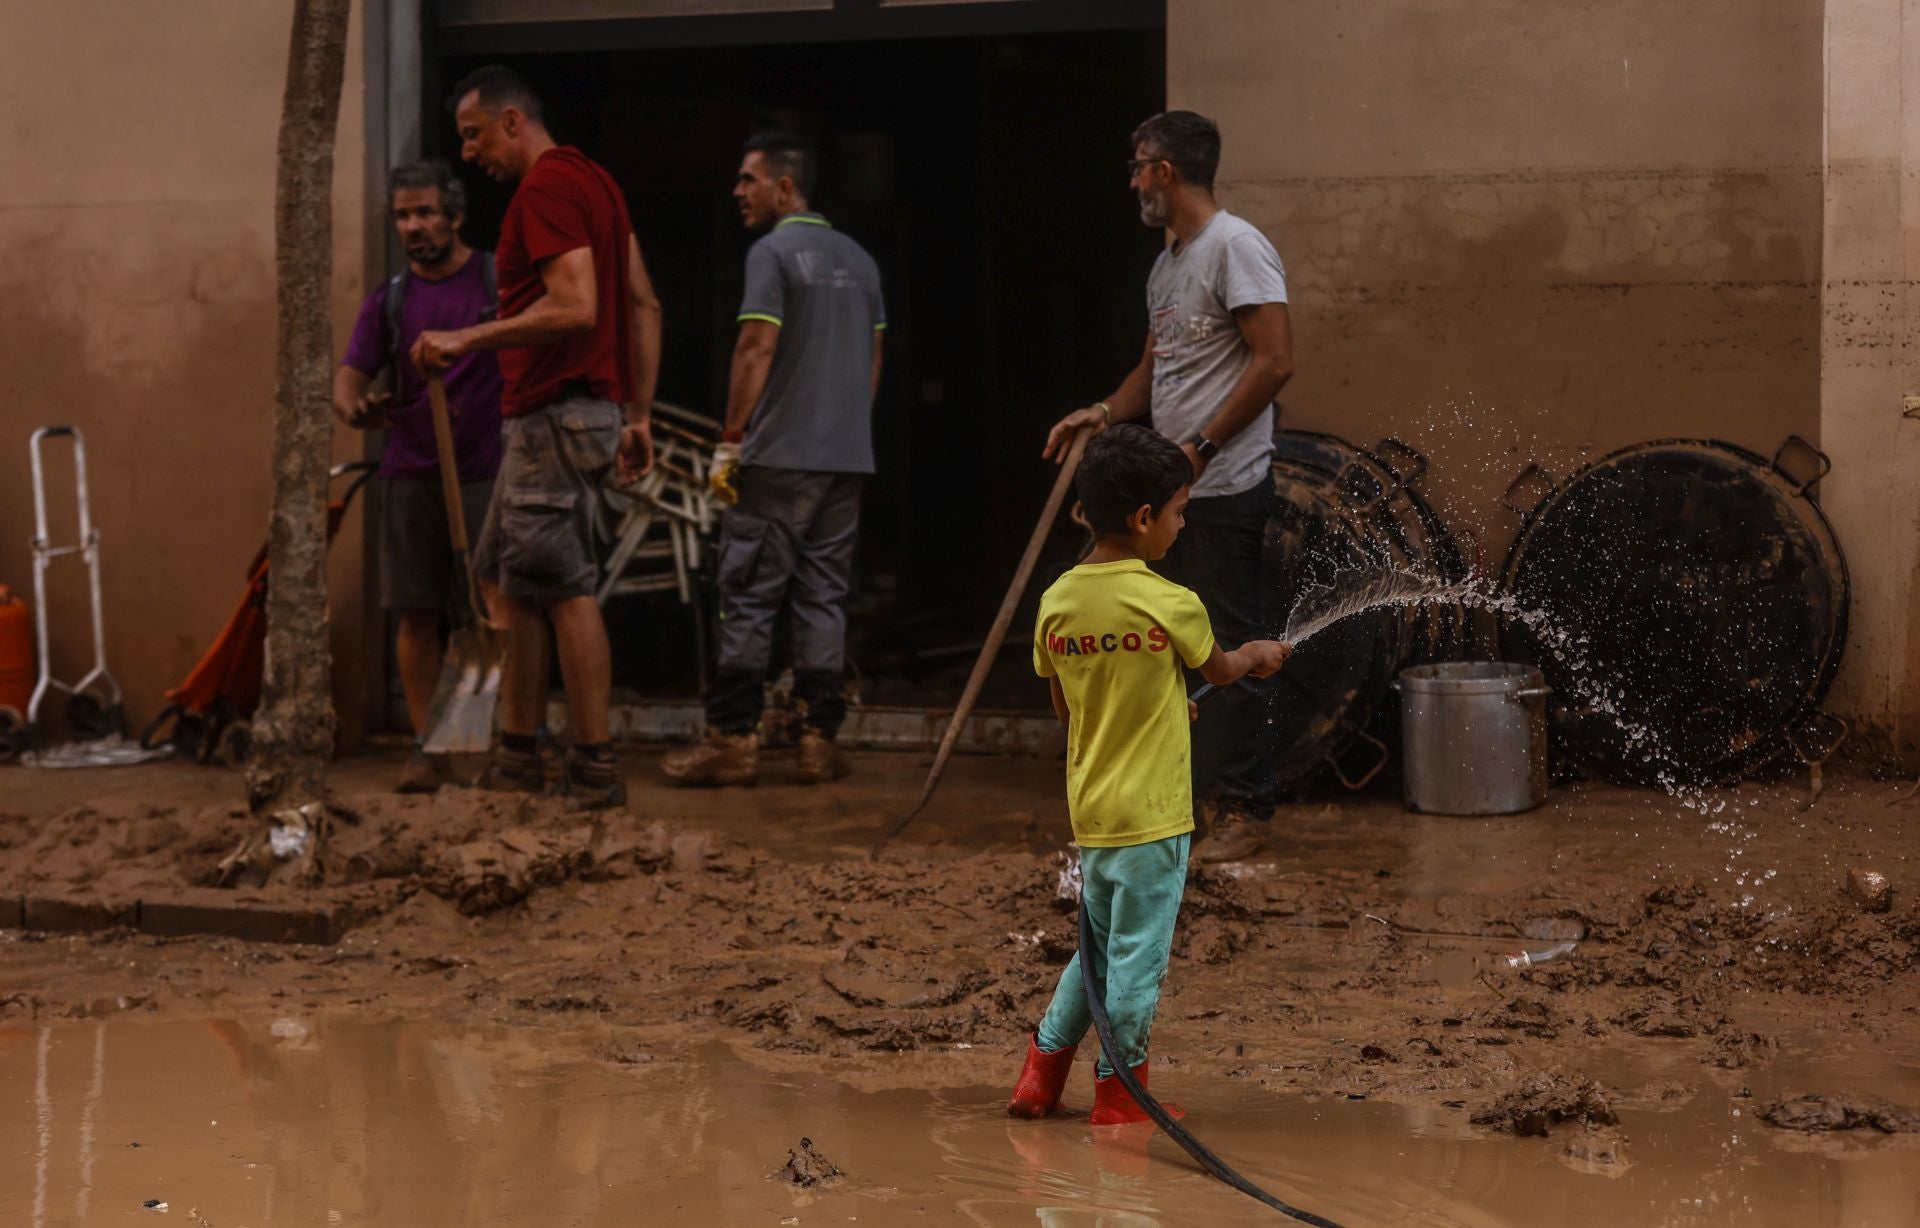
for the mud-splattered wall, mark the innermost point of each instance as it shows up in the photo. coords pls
(137, 303)
(1528, 232)
(1870, 362)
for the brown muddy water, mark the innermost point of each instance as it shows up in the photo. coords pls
(313, 1120)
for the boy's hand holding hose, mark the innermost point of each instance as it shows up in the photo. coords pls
(1260, 658)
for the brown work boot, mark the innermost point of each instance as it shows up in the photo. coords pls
(722, 759)
(591, 782)
(514, 771)
(820, 760)
(424, 773)
(1236, 836)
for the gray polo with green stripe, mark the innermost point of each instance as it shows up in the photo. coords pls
(823, 290)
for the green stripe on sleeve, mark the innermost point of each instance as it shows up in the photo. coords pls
(754, 315)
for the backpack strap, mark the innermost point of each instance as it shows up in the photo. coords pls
(390, 316)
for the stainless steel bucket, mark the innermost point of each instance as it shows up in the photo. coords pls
(1474, 737)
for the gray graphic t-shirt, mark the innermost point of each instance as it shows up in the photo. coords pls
(823, 290)
(1198, 352)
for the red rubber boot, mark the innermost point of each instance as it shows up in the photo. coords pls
(1113, 1105)
(1041, 1080)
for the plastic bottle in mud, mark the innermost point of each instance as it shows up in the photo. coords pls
(1527, 959)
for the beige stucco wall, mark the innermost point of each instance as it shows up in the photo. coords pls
(137, 303)
(1871, 308)
(1519, 231)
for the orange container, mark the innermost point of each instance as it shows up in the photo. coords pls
(16, 652)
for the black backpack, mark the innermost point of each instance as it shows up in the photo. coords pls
(397, 295)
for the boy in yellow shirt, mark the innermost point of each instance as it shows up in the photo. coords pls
(1111, 640)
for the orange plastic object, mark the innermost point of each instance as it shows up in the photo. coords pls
(16, 652)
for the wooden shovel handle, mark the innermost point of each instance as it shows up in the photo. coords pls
(990, 650)
(449, 471)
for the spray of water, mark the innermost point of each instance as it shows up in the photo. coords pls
(1356, 592)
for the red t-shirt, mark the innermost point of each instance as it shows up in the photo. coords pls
(565, 202)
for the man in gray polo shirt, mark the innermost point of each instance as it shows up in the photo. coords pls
(795, 451)
(1218, 350)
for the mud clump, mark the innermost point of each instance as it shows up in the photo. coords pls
(1546, 1099)
(486, 875)
(1671, 1015)
(1740, 1050)
(1600, 1149)
(806, 1167)
(1840, 1111)
(1869, 889)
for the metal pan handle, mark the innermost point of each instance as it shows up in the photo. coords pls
(1416, 467)
(1532, 470)
(1823, 464)
(1379, 764)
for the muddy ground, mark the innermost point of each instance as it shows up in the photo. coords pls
(1359, 958)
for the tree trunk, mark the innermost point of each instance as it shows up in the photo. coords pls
(293, 731)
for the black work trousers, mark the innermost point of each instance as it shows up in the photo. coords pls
(1220, 556)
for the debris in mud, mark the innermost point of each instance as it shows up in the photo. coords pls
(1601, 1149)
(1546, 1099)
(488, 874)
(1527, 959)
(1528, 1016)
(806, 1167)
(1869, 889)
(1682, 1016)
(1740, 1050)
(1840, 1111)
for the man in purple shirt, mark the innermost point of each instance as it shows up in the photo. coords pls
(446, 286)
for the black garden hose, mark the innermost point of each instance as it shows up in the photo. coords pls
(1212, 1163)
(1103, 1026)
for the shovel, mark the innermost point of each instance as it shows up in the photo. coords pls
(990, 650)
(460, 719)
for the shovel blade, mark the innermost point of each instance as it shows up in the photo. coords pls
(460, 720)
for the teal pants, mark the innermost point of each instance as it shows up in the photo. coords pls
(1132, 897)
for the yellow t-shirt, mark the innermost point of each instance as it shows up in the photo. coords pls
(1115, 635)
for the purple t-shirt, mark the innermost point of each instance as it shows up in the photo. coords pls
(473, 382)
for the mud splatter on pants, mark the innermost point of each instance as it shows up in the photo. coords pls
(1132, 897)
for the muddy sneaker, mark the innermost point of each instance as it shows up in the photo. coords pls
(723, 759)
(514, 771)
(591, 782)
(820, 760)
(1236, 836)
(424, 773)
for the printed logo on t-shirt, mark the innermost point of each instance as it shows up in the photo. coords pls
(1166, 330)
(814, 271)
(1155, 640)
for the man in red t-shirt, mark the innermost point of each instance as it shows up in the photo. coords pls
(578, 337)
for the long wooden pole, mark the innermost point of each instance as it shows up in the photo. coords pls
(991, 649)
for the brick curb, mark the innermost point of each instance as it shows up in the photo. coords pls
(225, 914)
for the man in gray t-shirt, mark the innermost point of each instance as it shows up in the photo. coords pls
(796, 448)
(1219, 348)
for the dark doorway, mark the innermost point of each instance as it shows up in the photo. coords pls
(985, 174)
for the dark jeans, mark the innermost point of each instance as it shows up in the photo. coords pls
(788, 543)
(1220, 556)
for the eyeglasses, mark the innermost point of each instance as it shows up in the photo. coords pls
(1134, 166)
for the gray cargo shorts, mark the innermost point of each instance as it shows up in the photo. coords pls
(544, 532)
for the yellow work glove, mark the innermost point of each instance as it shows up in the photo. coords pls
(726, 460)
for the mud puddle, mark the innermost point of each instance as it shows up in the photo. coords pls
(305, 1120)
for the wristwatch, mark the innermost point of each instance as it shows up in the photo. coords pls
(1204, 448)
